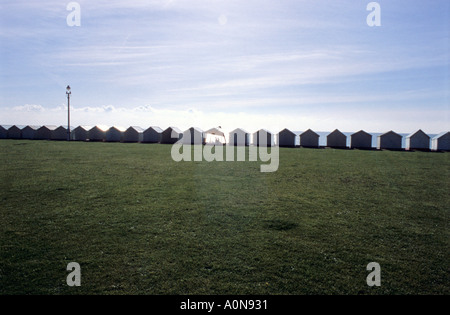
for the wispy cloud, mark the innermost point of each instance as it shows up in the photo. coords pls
(28, 108)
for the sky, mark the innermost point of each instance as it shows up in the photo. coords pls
(248, 64)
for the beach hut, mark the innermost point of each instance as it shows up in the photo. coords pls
(133, 134)
(194, 135)
(309, 139)
(14, 132)
(115, 134)
(152, 134)
(215, 136)
(97, 134)
(389, 140)
(80, 133)
(336, 139)
(239, 137)
(286, 138)
(3, 132)
(361, 140)
(171, 135)
(44, 132)
(263, 138)
(59, 133)
(441, 142)
(29, 132)
(418, 140)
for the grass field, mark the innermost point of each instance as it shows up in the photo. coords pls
(139, 223)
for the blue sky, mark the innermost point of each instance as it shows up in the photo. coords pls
(251, 64)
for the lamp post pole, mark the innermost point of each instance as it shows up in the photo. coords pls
(68, 92)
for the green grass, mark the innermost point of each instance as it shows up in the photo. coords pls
(139, 223)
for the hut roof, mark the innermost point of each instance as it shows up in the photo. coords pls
(137, 128)
(239, 129)
(156, 128)
(309, 131)
(390, 133)
(361, 132)
(50, 127)
(87, 128)
(287, 130)
(440, 135)
(175, 129)
(122, 129)
(32, 127)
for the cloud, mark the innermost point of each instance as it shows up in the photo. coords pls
(28, 108)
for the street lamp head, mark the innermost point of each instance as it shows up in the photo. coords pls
(68, 89)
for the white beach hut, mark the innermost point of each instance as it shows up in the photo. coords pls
(193, 135)
(263, 138)
(239, 137)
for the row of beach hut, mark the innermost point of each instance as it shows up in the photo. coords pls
(391, 140)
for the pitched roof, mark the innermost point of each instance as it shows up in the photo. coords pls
(49, 127)
(32, 127)
(122, 129)
(177, 130)
(156, 128)
(441, 134)
(265, 130)
(239, 129)
(137, 128)
(103, 128)
(287, 130)
(389, 133)
(196, 128)
(87, 128)
(361, 132)
(414, 133)
(336, 131)
(309, 131)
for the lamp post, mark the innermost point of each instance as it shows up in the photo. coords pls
(68, 111)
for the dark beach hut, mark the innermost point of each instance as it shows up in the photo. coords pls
(286, 138)
(361, 140)
(337, 139)
(309, 139)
